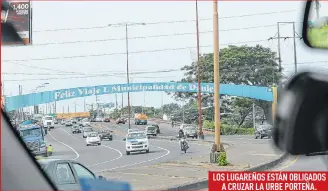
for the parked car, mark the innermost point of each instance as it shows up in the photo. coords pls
(106, 134)
(65, 174)
(120, 120)
(263, 131)
(76, 129)
(106, 120)
(55, 121)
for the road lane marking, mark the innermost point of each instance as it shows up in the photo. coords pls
(99, 163)
(141, 162)
(289, 164)
(66, 145)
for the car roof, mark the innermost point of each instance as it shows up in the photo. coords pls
(47, 161)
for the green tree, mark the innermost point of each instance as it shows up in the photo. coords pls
(246, 65)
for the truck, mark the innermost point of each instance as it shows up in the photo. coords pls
(140, 119)
(33, 136)
(48, 122)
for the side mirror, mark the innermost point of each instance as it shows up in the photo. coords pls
(301, 118)
(124, 139)
(315, 24)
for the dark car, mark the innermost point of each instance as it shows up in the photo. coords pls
(263, 131)
(76, 129)
(65, 174)
(157, 128)
(106, 134)
(106, 120)
(120, 120)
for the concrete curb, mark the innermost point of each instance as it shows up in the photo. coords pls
(202, 184)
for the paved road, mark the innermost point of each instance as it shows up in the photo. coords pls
(111, 154)
(304, 163)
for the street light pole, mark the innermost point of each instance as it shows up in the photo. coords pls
(200, 121)
(216, 75)
(127, 70)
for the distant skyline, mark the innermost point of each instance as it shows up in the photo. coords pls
(96, 56)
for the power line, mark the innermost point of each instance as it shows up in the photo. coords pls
(167, 22)
(36, 67)
(241, 69)
(109, 73)
(152, 36)
(123, 53)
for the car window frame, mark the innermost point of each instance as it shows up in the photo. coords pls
(75, 172)
(74, 176)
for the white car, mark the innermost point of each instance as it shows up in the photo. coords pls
(132, 130)
(63, 122)
(93, 139)
(48, 122)
(85, 122)
(86, 131)
(136, 142)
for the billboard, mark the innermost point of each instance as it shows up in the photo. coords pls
(20, 15)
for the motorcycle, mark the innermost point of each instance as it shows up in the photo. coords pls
(184, 145)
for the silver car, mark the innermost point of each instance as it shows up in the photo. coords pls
(190, 131)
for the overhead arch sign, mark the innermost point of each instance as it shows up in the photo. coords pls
(255, 92)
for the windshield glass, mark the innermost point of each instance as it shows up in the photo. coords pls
(87, 130)
(93, 135)
(137, 136)
(190, 128)
(151, 128)
(30, 133)
(48, 118)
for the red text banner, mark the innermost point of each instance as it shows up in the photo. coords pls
(267, 181)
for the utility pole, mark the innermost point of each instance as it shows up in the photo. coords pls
(63, 109)
(116, 104)
(67, 108)
(279, 53)
(84, 105)
(127, 71)
(254, 114)
(286, 37)
(216, 75)
(200, 121)
(317, 7)
(122, 105)
(75, 106)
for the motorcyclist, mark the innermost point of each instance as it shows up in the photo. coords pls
(182, 139)
(49, 150)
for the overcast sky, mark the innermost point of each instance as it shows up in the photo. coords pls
(49, 42)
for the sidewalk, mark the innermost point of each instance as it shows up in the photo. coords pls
(241, 156)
